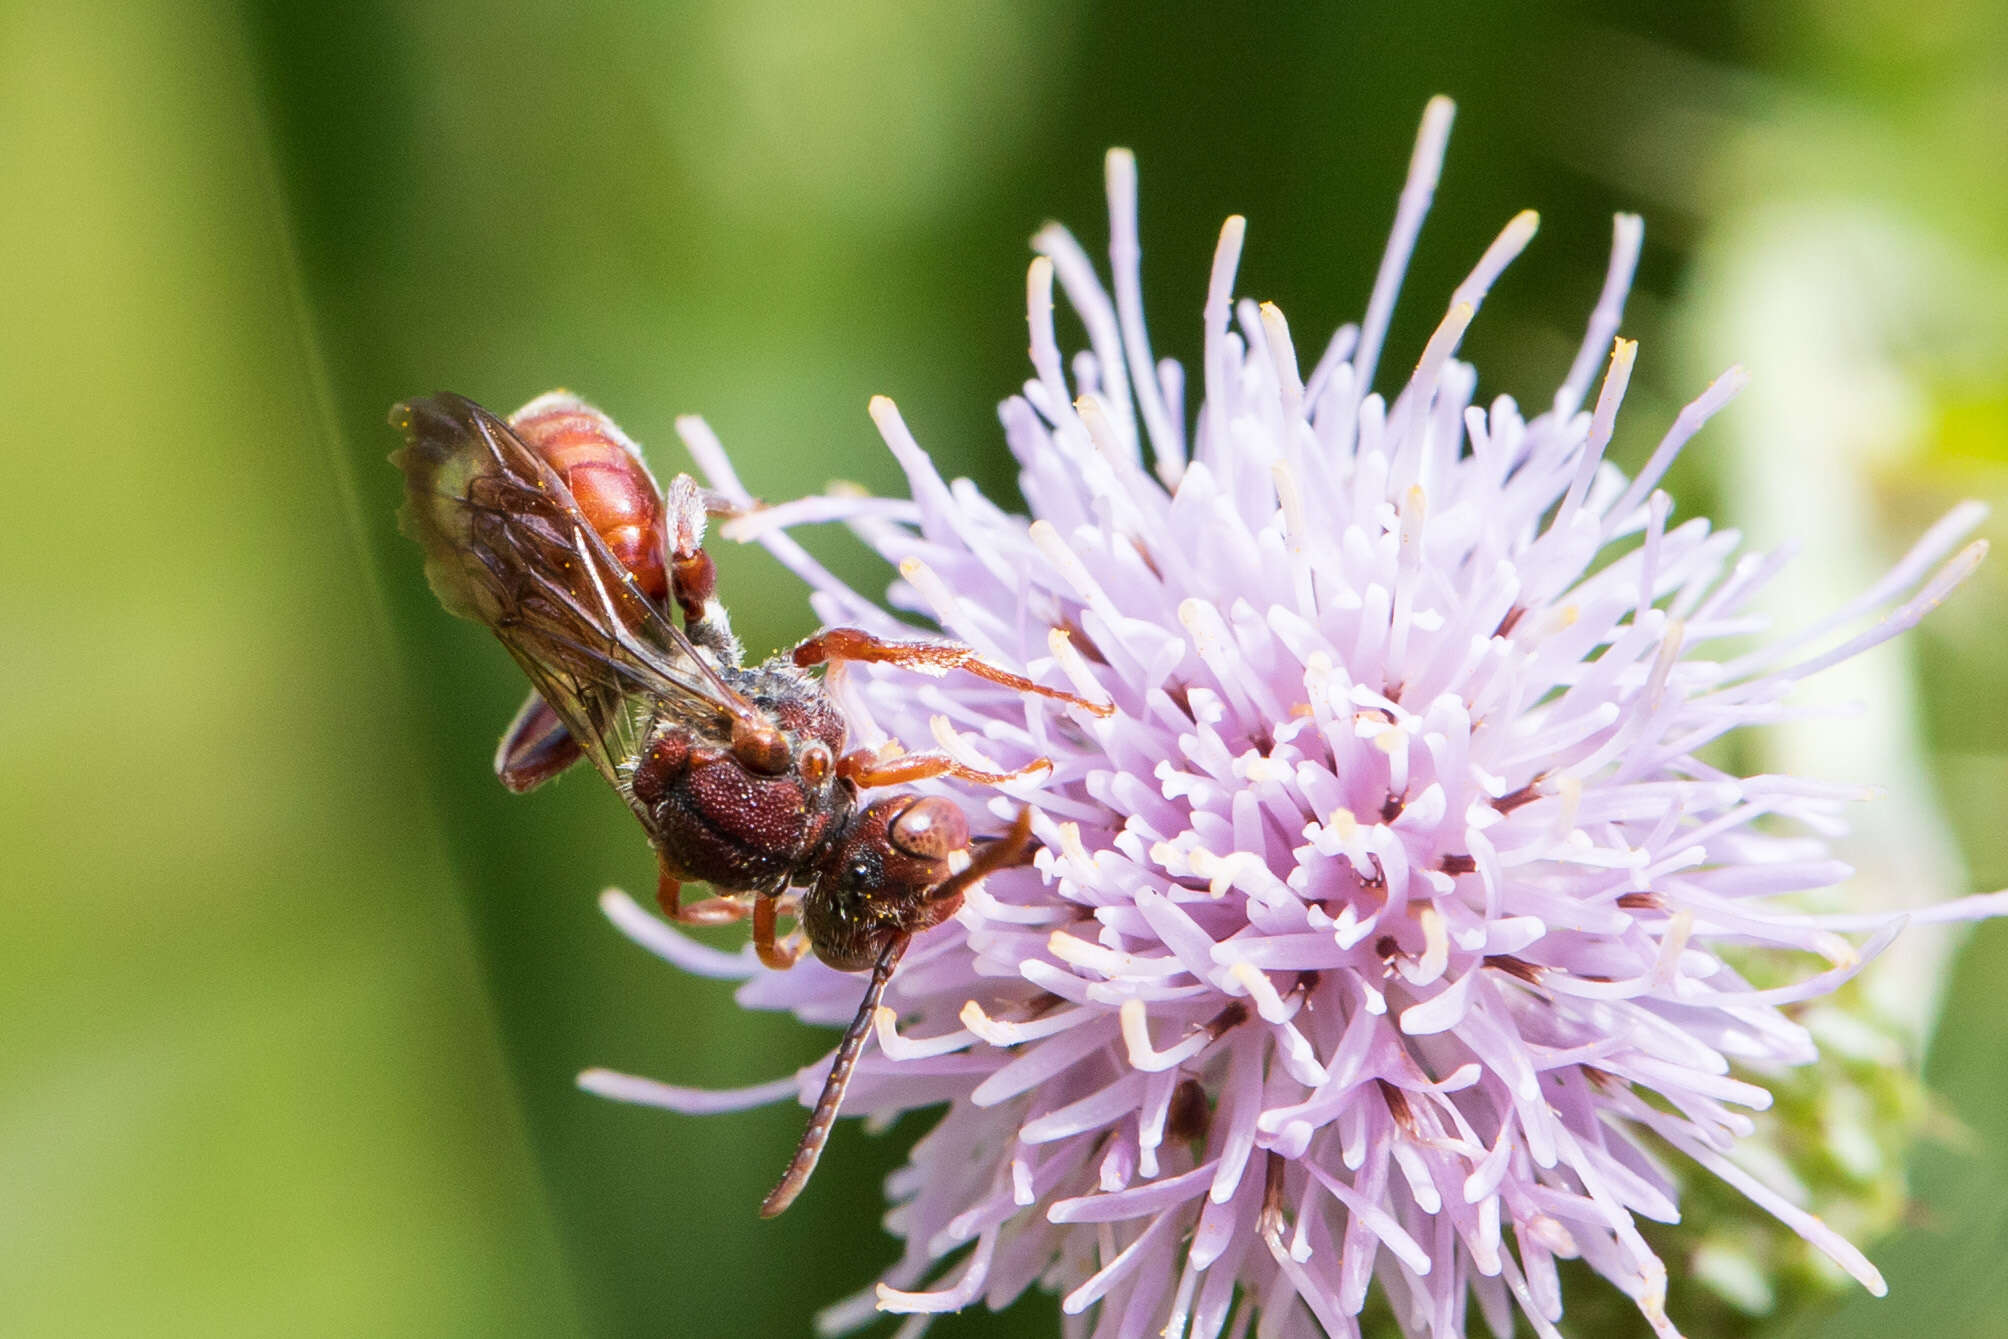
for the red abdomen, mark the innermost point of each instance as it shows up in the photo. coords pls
(604, 470)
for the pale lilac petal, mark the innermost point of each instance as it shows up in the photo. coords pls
(689, 1101)
(1391, 930)
(672, 945)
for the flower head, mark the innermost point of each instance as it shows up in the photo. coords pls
(1392, 929)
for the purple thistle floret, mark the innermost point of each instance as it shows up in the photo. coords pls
(1385, 931)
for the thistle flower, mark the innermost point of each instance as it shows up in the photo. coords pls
(1393, 929)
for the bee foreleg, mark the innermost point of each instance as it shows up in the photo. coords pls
(710, 911)
(779, 956)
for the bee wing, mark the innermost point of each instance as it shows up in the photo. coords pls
(507, 547)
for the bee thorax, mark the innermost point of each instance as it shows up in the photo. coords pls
(712, 819)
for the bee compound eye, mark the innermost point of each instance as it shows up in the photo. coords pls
(930, 828)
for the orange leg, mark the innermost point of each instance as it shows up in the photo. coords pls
(935, 658)
(779, 956)
(865, 768)
(711, 911)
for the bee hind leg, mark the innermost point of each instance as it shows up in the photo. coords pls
(536, 747)
(693, 579)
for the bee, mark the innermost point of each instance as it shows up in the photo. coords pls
(549, 530)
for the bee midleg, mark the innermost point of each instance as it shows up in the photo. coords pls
(863, 767)
(710, 911)
(693, 580)
(936, 658)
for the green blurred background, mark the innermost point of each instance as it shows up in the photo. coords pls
(292, 993)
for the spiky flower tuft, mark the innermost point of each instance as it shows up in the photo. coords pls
(1384, 935)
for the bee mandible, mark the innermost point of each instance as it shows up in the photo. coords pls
(549, 530)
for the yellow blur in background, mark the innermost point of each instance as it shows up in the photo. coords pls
(252, 1085)
(292, 994)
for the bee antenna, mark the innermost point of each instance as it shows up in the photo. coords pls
(810, 1149)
